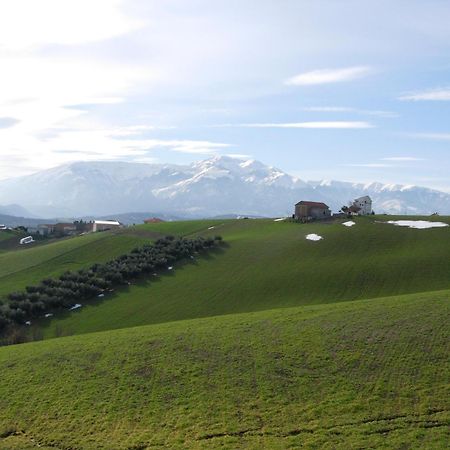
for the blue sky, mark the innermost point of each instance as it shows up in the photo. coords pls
(349, 90)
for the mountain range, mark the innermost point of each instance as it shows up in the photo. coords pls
(217, 186)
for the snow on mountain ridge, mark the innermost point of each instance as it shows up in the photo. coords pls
(219, 185)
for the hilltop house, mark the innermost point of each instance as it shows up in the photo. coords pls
(306, 210)
(64, 229)
(103, 225)
(153, 220)
(361, 206)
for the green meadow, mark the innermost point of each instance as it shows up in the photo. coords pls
(365, 374)
(267, 265)
(31, 264)
(271, 341)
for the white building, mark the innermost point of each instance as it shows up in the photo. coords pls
(103, 225)
(364, 204)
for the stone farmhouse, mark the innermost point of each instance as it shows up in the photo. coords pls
(307, 210)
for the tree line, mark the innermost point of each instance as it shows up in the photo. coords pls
(75, 286)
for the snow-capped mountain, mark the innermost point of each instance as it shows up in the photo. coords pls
(216, 186)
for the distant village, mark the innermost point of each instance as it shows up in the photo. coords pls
(63, 229)
(76, 227)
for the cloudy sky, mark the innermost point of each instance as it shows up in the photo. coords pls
(351, 90)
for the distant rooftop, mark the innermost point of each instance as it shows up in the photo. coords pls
(106, 222)
(315, 204)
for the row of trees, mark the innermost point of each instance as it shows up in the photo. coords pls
(76, 286)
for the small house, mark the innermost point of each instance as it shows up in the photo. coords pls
(307, 210)
(46, 229)
(362, 206)
(65, 229)
(153, 220)
(103, 225)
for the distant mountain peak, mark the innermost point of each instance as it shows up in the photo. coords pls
(215, 186)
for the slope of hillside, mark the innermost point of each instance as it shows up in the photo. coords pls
(365, 374)
(269, 264)
(32, 264)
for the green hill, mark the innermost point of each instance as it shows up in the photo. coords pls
(30, 265)
(272, 341)
(9, 240)
(269, 265)
(365, 374)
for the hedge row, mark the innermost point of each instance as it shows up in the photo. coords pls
(74, 287)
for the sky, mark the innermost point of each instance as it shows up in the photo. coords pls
(355, 90)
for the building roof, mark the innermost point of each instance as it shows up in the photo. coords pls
(153, 220)
(62, 225)
(314, 204)
(107, 222)
(365, 197)
(354, 209)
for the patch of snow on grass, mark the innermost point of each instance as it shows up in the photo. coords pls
(418, 224)
(350, 223)
(279, 220)
(313, 237)
(76, 306)
(48, 315)
(211, 228)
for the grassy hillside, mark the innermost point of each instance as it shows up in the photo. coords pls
(32, 264)
(5, 234)
(9, 240)
(270, 264)
(365, 374)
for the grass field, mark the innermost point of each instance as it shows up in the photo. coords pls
(270, 264)
(270, 342)
(365, 374)
(31, 265)
(9, 239)
(6, 235)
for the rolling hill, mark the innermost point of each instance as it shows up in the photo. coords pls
(266, 265)
(365, 374)
(46, 259)
(273, 341)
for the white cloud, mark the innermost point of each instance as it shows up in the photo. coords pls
(345, 109)
(369, 165)
(193, 147)
(324, 76)
(438, 94)
(6, 122)
(311, 125)
(402, 158)
(89, 143)
(30, 23)
(238, 155)
(431, 136)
